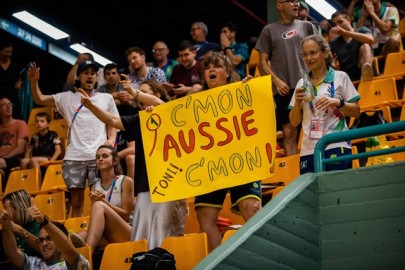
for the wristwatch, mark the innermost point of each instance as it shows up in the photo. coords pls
(26, 234)
(342, 103)
(46, 221)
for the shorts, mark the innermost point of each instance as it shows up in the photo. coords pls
(282, 111)
(75, 173)
(11, 163)
(307, 162)
(238, 193)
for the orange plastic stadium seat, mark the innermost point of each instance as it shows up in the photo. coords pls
(23, 179)
(118, 255)
(188, 250)
(52, 205)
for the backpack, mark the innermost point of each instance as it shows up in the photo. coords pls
(157, 258)
(369, 118)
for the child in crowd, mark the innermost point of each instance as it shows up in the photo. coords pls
(44, 145)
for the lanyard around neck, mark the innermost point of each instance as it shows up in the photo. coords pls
(74, 117)
(112, 189)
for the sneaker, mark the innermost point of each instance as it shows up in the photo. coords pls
(367, 72)
(77, 241)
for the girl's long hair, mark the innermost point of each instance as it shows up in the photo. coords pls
(20, 200)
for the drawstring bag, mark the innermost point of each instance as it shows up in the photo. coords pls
(157, 258)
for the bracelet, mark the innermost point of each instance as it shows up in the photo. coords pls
(226, 48)
(137, 94)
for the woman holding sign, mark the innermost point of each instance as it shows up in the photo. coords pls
(151, 221)
(217, 71)
(323, 110)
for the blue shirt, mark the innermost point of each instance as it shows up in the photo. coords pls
(241, 50)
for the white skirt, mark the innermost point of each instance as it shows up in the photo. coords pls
(156, 221)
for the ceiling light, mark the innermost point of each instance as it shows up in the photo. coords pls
(322, 7)
(40, 25)
(98, 58)
(61, 54)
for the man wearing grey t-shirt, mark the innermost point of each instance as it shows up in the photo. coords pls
(279, 46)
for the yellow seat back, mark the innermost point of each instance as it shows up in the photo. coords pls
(77, 224)
(400, 156)
(118, 255)
(395, 64)
(188, 250)
(374, 93)
(228, 234)
(286, 169)
(253, 63)
(53, 179)
(23, 179)
(53, 205)
(355, 162)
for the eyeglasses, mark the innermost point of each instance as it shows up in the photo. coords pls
(292, 2)
(158, 50)
(195, 28)
(310, 53)
(6, 104)
(42, 239)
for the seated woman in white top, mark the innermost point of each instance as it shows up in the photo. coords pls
(112, 198)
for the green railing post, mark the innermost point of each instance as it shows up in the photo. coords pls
(319, 153)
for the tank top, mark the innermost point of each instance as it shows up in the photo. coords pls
(113, 193)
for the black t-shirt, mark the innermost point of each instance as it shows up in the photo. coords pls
(44, 146)
(132, 127)
(348, 54)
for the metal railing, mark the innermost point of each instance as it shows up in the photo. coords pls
(319, 154)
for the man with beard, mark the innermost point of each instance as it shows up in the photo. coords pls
(86, 133)
(139, 72)
(57, 251)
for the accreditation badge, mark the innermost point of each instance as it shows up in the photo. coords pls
(317, 128)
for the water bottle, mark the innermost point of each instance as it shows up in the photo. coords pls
(308, 88)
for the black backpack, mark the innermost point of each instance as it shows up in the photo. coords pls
(157, 258)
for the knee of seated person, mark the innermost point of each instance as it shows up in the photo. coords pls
(130, 158)
(98, 205)
(365, 47)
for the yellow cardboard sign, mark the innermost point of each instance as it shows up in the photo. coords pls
(211, 140)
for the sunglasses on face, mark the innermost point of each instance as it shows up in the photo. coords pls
(42, 239)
